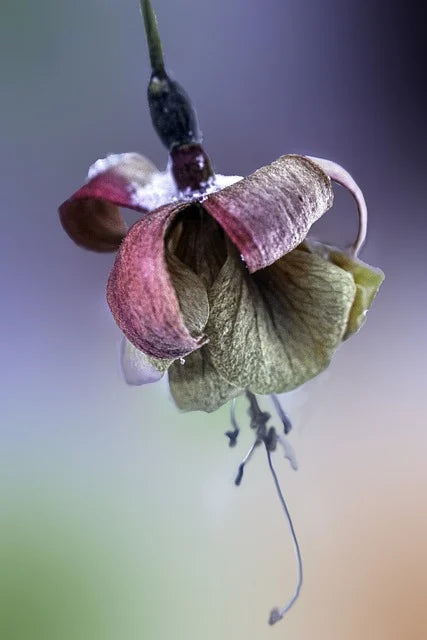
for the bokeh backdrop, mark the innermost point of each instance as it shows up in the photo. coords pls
(119, 517)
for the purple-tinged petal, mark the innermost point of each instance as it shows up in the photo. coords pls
(158, 302)
(91, 216)
(342, 177)
(269, 213)
(138, 368)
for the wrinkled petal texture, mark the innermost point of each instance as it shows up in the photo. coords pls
(91, 216)
(269, 213)
(274, 330)
(197, 386)
(159, 303)
(367, 280)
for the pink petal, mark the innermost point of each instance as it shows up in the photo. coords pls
(142, 292)
(270, 212)
(91, 216)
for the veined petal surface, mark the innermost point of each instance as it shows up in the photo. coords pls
(366, 278)
(197, 386)
(274, 330)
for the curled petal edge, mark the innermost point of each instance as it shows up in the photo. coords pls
(338, 174)
(270, 212)
(161, 307)
(91, 216)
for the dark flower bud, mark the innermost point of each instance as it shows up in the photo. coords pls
(173, 116)
(172, 113)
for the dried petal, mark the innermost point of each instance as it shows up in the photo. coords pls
(157, 301)
(367, 279)
(138, 368)
(197, 386)
(199, 243)
(270, 212)
(192, 295)
(91, 216)
(273, 331)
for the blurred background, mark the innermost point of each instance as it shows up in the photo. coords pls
(119, 517)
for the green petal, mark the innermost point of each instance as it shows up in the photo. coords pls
(367, 279)
(272, 331)
(196, 385)
(191, 294)
(198, 241)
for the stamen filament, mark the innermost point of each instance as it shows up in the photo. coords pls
(153, 37)
(233, 435)
(277, 614)
(246, 459)
(233, 415)
(287, 424)
(342, 177)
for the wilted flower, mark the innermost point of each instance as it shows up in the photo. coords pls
(219, 286)
(216, 283)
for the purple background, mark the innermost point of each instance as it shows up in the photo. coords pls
(340, 80)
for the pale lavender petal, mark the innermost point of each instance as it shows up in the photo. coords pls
(137, 367)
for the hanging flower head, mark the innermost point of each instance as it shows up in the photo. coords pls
(217, 282)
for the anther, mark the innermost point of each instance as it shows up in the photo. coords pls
(245, 460)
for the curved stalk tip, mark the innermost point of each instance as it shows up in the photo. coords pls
(342, 177)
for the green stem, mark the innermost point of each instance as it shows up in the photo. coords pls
(173, 116)
(153, 37)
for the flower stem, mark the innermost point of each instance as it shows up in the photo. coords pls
(153, 37)
(174, 117)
